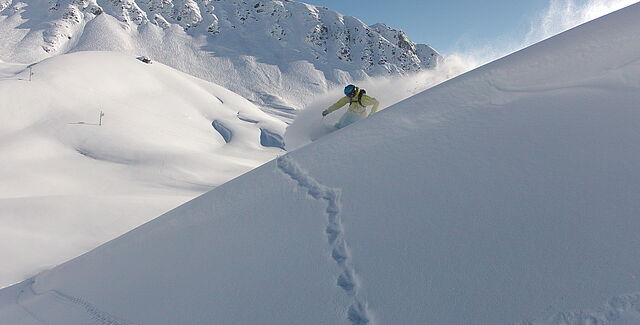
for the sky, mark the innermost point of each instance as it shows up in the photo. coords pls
(471, 25)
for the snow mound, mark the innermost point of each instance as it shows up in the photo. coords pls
(155, 148)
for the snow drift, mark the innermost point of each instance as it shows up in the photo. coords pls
(508, 195)
(156, 148)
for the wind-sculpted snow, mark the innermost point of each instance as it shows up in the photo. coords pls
(358, 313)
(271, 139)
(224, 131)
(156, 134)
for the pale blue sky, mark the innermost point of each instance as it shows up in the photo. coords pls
(447, 25)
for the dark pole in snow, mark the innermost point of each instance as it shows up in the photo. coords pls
(101, 115)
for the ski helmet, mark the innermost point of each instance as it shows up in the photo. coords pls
(350, 90)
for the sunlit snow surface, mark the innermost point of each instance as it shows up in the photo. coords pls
(508, 195)
(69, 183)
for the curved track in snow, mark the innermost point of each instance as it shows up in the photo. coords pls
(358, 313)
(94, 313)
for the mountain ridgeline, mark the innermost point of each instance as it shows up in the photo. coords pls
(318, 32)
(285, 45)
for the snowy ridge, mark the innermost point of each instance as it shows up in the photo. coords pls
(358, 313)
(326, 34)
(273, 53)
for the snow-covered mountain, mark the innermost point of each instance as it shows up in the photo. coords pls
(275, 53)
(508, 195)
(166, 137)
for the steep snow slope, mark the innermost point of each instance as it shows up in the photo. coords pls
(508, 195)
(157, 148)
(274, 53)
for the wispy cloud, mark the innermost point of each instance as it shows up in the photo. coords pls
(562, 15)
(557, 17)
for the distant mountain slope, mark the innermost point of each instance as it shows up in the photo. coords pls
(273, 52)
(166, 137)
(508, 195)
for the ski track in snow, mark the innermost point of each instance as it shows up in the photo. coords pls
(358, 313)
(29, 287)
(100, 317)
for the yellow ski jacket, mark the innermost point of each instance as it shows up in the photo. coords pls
(354, 105)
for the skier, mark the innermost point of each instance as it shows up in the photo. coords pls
(358, 102)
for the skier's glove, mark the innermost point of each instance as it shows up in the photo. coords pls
(325, 112)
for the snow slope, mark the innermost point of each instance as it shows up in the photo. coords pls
(309, 124)
(508, 195)
(275, 53)
(69, 184)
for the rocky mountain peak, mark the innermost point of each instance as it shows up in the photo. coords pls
(317, 34)
(275, 53)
